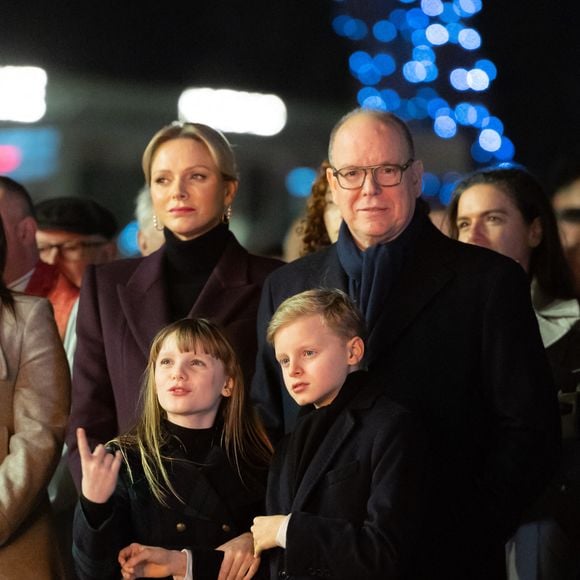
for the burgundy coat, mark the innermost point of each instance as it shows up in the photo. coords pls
(122, 307)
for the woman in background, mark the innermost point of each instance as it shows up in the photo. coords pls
(319, 227)
(506, 210)
(34, 405)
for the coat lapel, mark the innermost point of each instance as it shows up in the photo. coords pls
(318, 468)
(144, 300)
(423, 276)
(223, 294)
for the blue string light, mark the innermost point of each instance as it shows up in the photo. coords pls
(413, 81)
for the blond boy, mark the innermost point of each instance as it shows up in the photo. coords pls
(344, 486)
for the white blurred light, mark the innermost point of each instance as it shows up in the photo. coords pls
(477, 79)
(469, 39)
(22, 93)
(233, 111)
(437, 34)
(489, 140)
(458, 79)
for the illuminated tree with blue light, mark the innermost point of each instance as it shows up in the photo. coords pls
(420, 61)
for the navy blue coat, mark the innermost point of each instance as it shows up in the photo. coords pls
(355, 513)
(458, 343)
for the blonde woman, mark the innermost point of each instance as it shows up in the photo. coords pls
(200, 271)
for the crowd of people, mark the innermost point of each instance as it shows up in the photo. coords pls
(396, 399)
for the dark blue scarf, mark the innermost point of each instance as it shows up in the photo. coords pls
(371, 272)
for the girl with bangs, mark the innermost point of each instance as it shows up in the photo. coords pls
(191, 473)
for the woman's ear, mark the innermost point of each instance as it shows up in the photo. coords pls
(535, 233)
(228, 387)
(356, 350)
(231, 190)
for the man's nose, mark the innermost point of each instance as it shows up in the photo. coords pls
(370, 186)
(50, 255)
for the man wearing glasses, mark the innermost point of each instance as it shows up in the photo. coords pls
(74, 232)
(451, 335)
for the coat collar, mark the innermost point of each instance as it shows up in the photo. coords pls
(425, 272)
(337, 435)
(145, 304)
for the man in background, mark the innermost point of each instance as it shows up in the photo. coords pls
(24, 271)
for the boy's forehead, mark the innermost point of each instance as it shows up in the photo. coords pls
(304, 328)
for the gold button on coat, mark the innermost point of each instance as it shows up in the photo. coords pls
(181, 527)
(226, 528)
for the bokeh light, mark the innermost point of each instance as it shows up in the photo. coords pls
(432, 7)
(385, 31)
(437, 34)
(299, 181)
(433, 70)
(445, 127)
(489, 140)
(469, 39)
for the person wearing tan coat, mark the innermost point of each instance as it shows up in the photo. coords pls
(34, 406)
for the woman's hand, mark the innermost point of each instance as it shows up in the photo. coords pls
(138, 561)
(239, 560)
(99, 470)
(265, 531)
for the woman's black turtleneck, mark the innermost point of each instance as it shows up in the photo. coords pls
(189, 264)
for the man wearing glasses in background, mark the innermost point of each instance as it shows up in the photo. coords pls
(451, 336)
(73, 232)
(24, 271)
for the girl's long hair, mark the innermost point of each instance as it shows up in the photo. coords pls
(243, 437)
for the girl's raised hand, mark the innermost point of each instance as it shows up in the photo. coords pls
(99, 469)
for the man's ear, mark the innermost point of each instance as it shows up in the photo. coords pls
(332, 183)
(417, 176)
(356, 350)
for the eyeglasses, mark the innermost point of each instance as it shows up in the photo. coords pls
(387, 175)
(72, 251)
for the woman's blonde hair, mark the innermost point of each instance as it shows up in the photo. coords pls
(243, 436)
(218, 146)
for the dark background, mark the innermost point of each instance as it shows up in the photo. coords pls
(289, 47)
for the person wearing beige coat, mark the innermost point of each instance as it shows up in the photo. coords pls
(34, 407)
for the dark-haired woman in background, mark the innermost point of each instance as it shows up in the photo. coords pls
(34, 404)
(506, 210)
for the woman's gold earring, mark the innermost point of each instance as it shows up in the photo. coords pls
(156, 224)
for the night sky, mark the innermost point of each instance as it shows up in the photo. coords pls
(289, 47)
